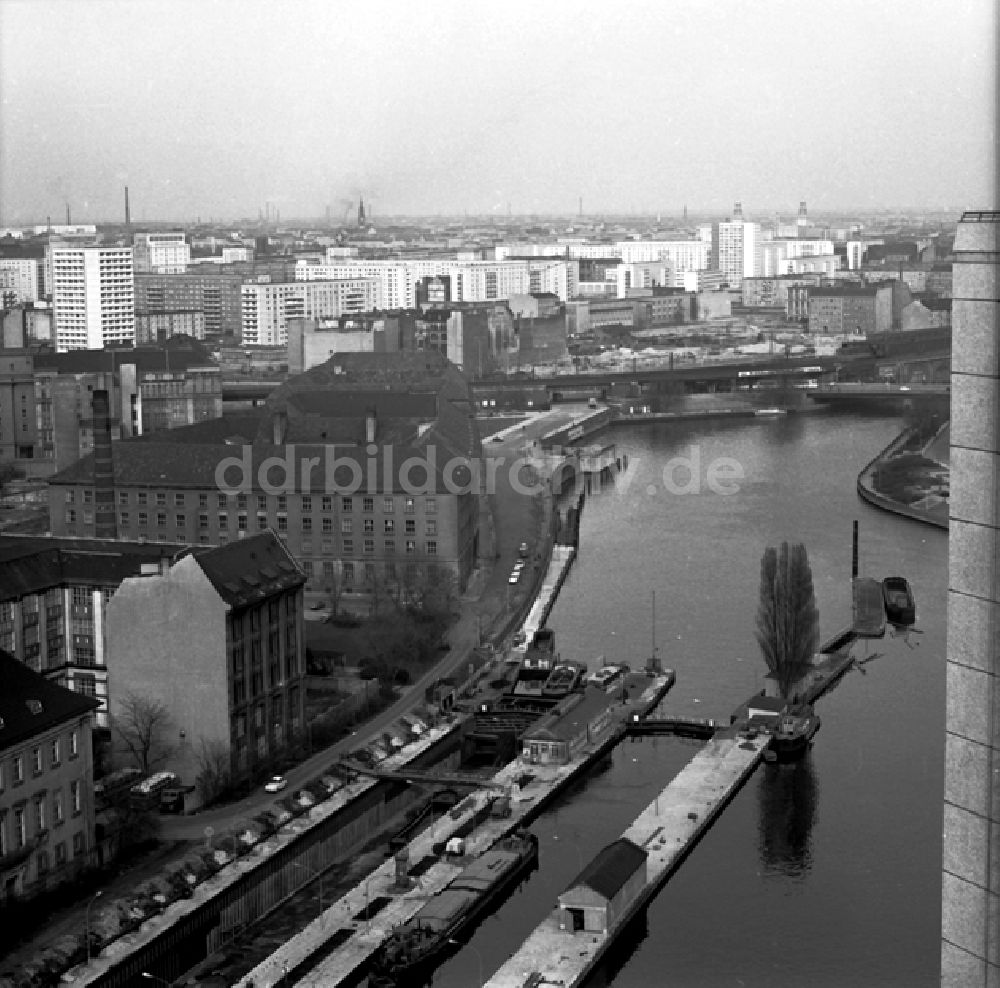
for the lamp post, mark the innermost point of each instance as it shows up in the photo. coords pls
(479, 957)
(87, 916)
(153, 977)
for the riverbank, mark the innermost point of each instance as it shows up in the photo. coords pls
(910, 478)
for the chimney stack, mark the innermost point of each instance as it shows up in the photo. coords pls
(370, 425)
(105, 517)
(128, 222)
(738, 212)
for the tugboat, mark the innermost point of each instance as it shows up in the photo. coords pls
(900, 608)
(795, 730)
(415, 948)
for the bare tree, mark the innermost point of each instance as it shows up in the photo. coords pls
(787, 619)
(142, 724)
(214, 769)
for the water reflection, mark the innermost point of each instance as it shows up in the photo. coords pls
(787, 797)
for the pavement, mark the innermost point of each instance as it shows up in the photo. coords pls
(516, 519)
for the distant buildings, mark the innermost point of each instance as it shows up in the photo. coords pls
(158, 327)
(266, 308)
(737, 250)
(162, 253)
(24, 276)
(46, 782)
(93, 296)
(851, 309)
(215, 293)
(216, 637)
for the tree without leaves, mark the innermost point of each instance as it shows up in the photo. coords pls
(214, 774)
(787, 618)
(141, 725)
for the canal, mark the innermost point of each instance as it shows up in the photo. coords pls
(826, 873)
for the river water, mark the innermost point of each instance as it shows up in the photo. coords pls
(823, 873)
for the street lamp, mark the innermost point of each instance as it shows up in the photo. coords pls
(153, 977)
(479, 957)
(87, 915)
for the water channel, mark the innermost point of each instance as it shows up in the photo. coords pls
(823, 874)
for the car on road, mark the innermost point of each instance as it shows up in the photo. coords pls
(275, 784)
(522, 550)
(514, 577)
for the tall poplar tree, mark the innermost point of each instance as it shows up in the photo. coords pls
(787, 618)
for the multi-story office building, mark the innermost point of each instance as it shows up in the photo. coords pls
(53, 600)
(780, 257)
(93, 296)
(642, 274)
(24, 276)
(216, 294)
(266, 308)
(376, 447)
(682, 255)
(46, 782)
(851, 309)
(162, 253)
(18, 429)
(231, 674)
(736, 251)
(158, 327)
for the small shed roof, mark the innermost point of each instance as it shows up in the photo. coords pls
(611, 868)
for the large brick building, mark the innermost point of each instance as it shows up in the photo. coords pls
(216, 637)
(364, 466)
(46, 781)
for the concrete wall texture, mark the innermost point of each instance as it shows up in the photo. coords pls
(970, 922)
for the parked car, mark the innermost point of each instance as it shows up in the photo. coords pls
(522, 550)
(514, 577)
(275, 784)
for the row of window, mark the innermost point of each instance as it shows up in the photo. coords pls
(47, 811)
(308, 502)
(67, 746)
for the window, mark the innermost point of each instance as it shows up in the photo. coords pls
(369, 526)
(390, 526)
(124, 519)
(76, 796)
(223, 522)
(348, 572)
(327, 524)
(161, 499)
(123, 498)
(88, 497)
(368, 504)
(348, 546)
(307, 524)
(88, 517)
(261, 523)
(36, 760)
(70, 517)
(346, 526)
(307, 502)
(409, 505)
(282, 523)
(262, 502)
(40, 819)
(70, 497)
(430, 505)
(202, 500)
(347, 504)
(61, 853)
(326, 547)
(203, 520)
(142, 498)
(161, 519)
(180, 520)
(390, 546)
(241, 501)
(74, 744)
(57, 807)
(411, 527)
(326, 503)
(307, 546)
(411, 546)
(221, 501)
(241, 522)
(178, 500)
(143, 518)
(77, 844)
(387, 505)
(432, 548)
(432, 526)
(282, 502)
(20, 829)
(54, 751)
(18, 769)
(369, 545)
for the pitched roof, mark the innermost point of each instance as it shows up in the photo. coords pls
(31, 564)
(249, 570)
(179, 353)
(30, 704)
(611, 869)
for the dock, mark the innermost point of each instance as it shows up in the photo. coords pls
(555, 576)
(667, 829)
(334, 948)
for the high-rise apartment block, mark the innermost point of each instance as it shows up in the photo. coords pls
(162, 253)
(93, 296)
(736, 251)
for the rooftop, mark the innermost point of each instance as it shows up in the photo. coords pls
(611, 868)
(30, 704)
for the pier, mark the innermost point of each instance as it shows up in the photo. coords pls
(555, 576)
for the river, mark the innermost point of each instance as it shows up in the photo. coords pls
(822, 874)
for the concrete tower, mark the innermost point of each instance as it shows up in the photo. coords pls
(738, 212)
(970, 919)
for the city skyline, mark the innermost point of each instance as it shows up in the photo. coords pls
(435, 109)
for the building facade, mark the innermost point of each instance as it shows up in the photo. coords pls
(231, 673)
(162, 253)
(216, 295)
(18, 429)
(46, 782)
(158, 327)
(736, 251)
(93, 296)
(24, 277)
(851, 309)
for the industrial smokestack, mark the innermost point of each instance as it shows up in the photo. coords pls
(105, 519)
(127, 219)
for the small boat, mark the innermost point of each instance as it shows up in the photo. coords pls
(414, 949)
(900, 608)
(771, 411)
(793, 733)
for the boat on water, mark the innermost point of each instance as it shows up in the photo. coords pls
(900, 608)
(770, 411)
(563, 679)
(414, 949)
(795, 729)
(869, 608)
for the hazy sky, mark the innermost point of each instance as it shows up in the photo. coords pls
(212, 108)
